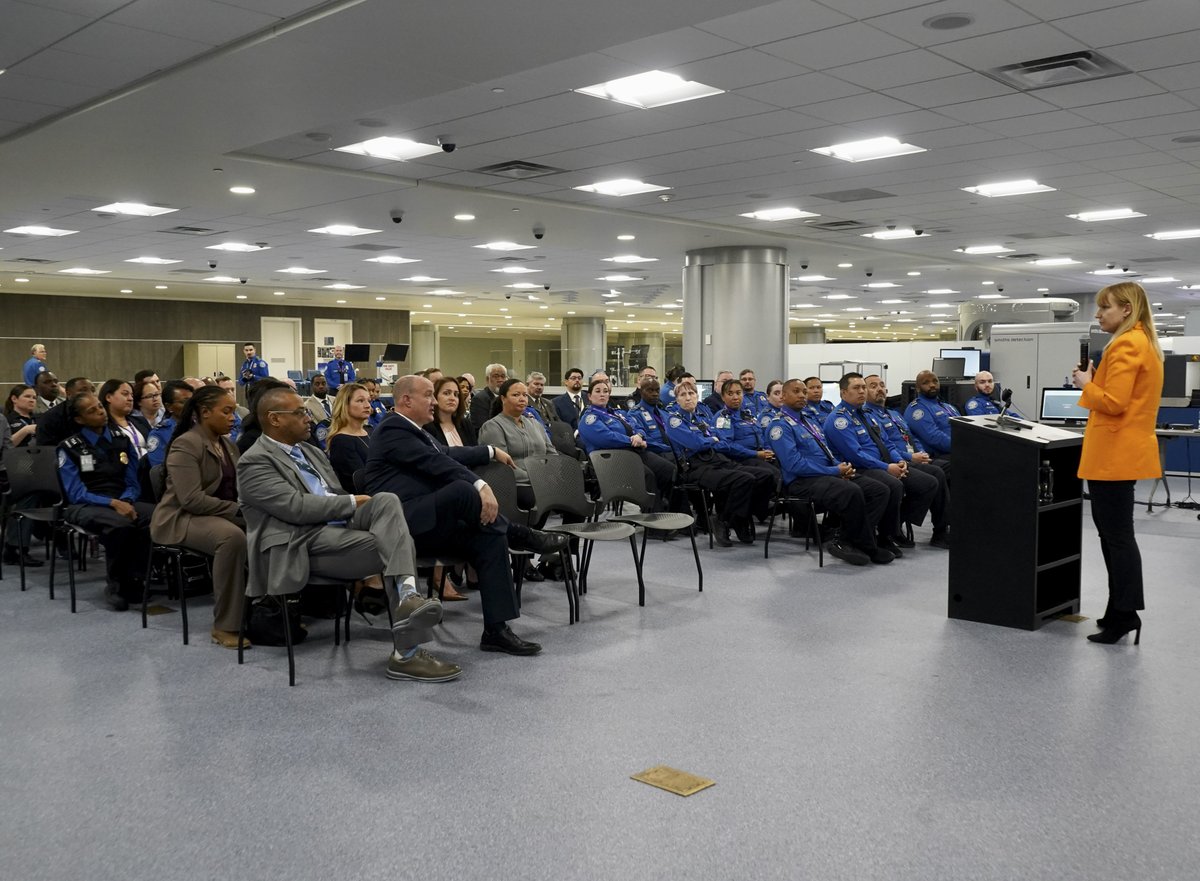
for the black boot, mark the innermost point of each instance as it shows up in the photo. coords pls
(721, 534)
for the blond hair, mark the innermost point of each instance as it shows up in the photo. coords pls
(1133, 295)
(339, 420)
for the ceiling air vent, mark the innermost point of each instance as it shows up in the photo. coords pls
(518, 169)
(1030, 256)
(367, 246)
(38, 260)
(840, 225)
(1057, 70)
(192, 231)
(860, 195)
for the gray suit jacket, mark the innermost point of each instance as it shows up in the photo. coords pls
(282, 516)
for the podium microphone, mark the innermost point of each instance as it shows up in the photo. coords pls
(1006, 399)
(1004, 421)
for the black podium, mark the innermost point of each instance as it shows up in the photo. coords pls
(1014, 561)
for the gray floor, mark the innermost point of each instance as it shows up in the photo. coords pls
(854, 732)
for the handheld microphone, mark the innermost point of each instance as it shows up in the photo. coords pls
(1085, 354)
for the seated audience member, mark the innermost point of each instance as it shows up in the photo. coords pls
(147, 401)
(339, 371)
(199, 505)
(928, 417)
(35, 365)
(714, 402)
(817, 406)
(603, 429)
(98, 467)
(918, 460)
(653, 416)
(320, 402)
(451, 510)
(515, 432)
(299, 523)
(346, 444)
(482, 398)
(744, 442)
(57, 424)
(175, 395)
(469, 380)
(146, 374)
(250, 427)
(667, 392)
(753, 400)
(857, 437)
(774, 406)
(379, 410)
(227, 383)
(18, 413)
(811, 470)
(646, 374)
(736, 491)
(116, 395)
(451, 424)
(195, 382)
(981, 403)
(46, 386)
(536, 386)
(433, 374)
(571, 404)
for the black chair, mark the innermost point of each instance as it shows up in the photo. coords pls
(621, 476)
(790, 505)
(562, 436)
(558, 486)
(282, 601)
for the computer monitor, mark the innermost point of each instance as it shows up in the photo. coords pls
(1060, 406)
(358, 352)
(970, 356)
(950, 368)
(395, 352)
(704, 388)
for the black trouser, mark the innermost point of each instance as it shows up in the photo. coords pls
(1112, 512)
(859, 503)
(126, 542)
(939, 504)
(943, 462)
(660, 477)
(731, 486)
(766, 482)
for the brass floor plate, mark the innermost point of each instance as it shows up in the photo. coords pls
(673, 780)
(159, 610)
(1074, 619)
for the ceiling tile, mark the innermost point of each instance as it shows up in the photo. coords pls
(856, 107)
(990, 109)
(716, 108)
(765, 125)
(30, 28)
(768, 23)
(1181, 76)
(1068, 138)
(40, 90)
(1112, 88)
(1135, 21)
(902, 69)
(24, 111)
(198, 20)
(1135, 108)
(1035, 123)
(736, 70)
(68, 67)
(1147, 55)
(1010, 47)
(950, 90)
(1159, 125)
(662, 51)
(153, 51)
(841, 45)
(989, 17)
(807, 88)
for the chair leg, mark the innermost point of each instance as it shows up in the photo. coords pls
(337, 618)
(696, 554)
(287, 638)
(770, 528)
(177, 561)
(569, 584)
(815, 530)
(518, 575)
(637, 564)
(247, 608)
(350, 608)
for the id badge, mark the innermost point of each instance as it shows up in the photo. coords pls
(87, 462)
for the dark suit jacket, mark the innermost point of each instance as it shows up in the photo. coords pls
(566, 410)
(481, 407)
(407, 461)
(55, 426)
(466, 433)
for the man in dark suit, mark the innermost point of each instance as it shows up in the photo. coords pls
(450, 510)
(299, 521)
(482, 398)
(571, 404)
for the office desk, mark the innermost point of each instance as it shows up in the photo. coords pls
(1165, 436)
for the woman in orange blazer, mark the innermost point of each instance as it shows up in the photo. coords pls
(1119, 445)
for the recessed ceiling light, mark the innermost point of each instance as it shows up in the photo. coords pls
(394, 149)
(280, 293)
(126, 290)
(893, 302)
(543, 307)
(839, 297)
(629, 258)
(160, 287)
(845, 265)
(855, 309)
(515, 270)
(341, 286)
(466, 302)
(804, 305)
(1113, 271)
(882, 284)
(241, 296)
(1043, 290)
(1106, 214)
(983, 249)
(813, 278)
(610, 310)
(621, 187)
(506, 246)
(444, 292)
(774, 214)
(155, 261)
(503, 308)
(940, 291)
(344, 229)
(872, 148)
(1156, 279)
(464, 216)
(40, 231)
(621, 278)
(1167, 236)
(626, 237)
(987, 282)
(242, 191)
(340, 302)
(134, 209)
(914, 273)
(654, 88)
(83, 270)
(523, 285)
(1053, 261)
(948, 22)
(991, 297)
(901, 233)
(1009, 188)
(422, 278)
(381, 298)
(427, 305)
(240, 247)
(223, 279)
(301, 270)
(392, 259)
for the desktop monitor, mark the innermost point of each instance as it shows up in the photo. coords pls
(395, 352)
(704, 388)
(970, 356)
(358, 352)
(950, 368)
(1060, 406)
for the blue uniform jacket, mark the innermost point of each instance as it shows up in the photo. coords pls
(848, 437)
(603, 430)
(339, 371)
(652, 425)
(982, 405)
(690, 434)
(929, 420)
(895, 437)
(156, 443)
(765, 418)
(666, 394)
(902, 425)
(31, 369)
(253, 369)
(755, 402)
(739, 432)
(795, 442)
(77, 492)
(378, 412)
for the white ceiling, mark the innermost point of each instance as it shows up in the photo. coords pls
(174, 101)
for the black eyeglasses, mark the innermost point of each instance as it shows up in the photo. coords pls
(299, 411)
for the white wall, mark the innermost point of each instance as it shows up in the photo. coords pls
(904, 360)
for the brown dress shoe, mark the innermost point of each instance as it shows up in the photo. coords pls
(229, 640)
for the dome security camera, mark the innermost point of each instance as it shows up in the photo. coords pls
(919, 232)
(397, 215)
(999, 289)
(546, 287)
(243, 279)
(870, 272)
(1124, 268)
(890, 226)
(446, 142)
(539, 232)
(804, 265)
(508, 295)
(1110, 266)
(212, 264)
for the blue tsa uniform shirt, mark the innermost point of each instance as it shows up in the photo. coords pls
(893, 435)
(378, 411)
(97, 468)
(156, 443)
(800, 448)
(253, 369)
(603, 430)
(651, 423)
(930, 422)
(31, 370)
(849, 436)
(982, 405)
(689, 433)
(739, 432)
(765, 418)
(339, 371)
(756, 402)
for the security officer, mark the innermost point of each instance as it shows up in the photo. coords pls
(918, 460)
(812, 471)
(339, 371)
(604, 429)
(35, 365)
(99, 472)
(653, 416)
(981, 403)
(928, 417)
(772, 411)
(176, 393)
(817, 406)
(378, 409)
(858, 438)
(754, 401)
(742, 441)
(707, 467)
(253, 368)
(667, 394)
(714, 402)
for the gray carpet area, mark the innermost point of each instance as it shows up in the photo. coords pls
(853, 731)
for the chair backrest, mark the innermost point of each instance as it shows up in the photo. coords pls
(158, 481)
(622, 477)
(295, 375)
(557, 483)
(503, 481)
(562, 435)
(33, 471)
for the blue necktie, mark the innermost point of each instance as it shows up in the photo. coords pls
(311, 477)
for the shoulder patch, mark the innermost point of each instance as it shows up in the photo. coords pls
(777, 432)
(789, 420)
(840, 423)
(62, 458)
(972, 404)
(764, 421)
(918, 414)
(590, 418)
(676, 422)
(322, 432)
(152, 443)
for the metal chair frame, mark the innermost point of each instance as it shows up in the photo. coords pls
(783, 504)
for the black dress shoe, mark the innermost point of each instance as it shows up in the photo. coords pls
(890, 546)
(112, 596)
(745, 532)
(903, 541)
(525, 539)
(12, 558)
(533, 575)
(508, 642)
(721, 534)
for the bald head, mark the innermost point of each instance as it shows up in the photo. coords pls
(413, 397)
(985, 384)
(283, 416)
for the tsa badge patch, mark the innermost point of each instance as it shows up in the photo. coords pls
(777, 432)
(322, 432)
(841, 423)
(152, 443)
(676, 422)
(918, 415)
(972, 405)
(62, 458)
(590, 418)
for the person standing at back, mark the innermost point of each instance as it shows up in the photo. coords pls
(254, 368)
(339, 371)
(1119, 444)
(35, 365)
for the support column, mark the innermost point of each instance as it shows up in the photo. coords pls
(1191, 323)
(735, 311)
(424, 347)
(583, 345)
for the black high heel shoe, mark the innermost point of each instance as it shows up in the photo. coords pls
(1116, 629)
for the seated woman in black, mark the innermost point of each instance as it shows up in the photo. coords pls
(450, 424)
(18, 413)
(348, 437)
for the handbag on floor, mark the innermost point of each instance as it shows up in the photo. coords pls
(267, 622)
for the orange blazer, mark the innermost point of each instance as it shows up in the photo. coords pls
(1124, 394)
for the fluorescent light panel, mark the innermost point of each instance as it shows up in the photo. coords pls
(1166, 236)
(391, 259)
(775, 214)
(394, 149)
(1053, 261)
(152, 261)
(342, 286)
(621, 187)
(1009, 188)
(629, 258)
(83, 270)
(342, 229)
(240, 247)
(872, 148)
(301, 270)
(134, 209)
(902, 233)
(515, 270)
(983, 249)
(505, 246)
(1105, 214)
(813, 278)
(654, 88)
(40, 231)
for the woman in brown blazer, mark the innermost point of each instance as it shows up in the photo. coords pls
(199, 508)
(1119, 444)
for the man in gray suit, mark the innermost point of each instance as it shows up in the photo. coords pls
(299, 521)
